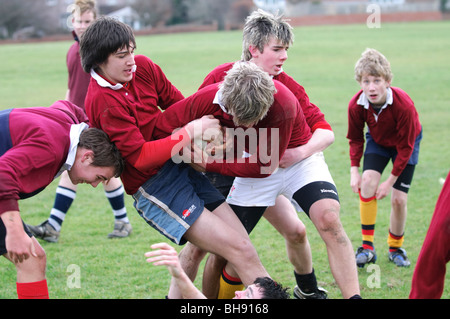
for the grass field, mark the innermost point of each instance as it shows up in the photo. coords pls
(322, 60)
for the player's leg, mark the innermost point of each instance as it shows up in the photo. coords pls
(325, 216)
(375, 162)
(368, 209)
(285, 220)
(50, 229)
(399, 199)
(115, 193)
(225, 236)
(31, 280)
(220, 280)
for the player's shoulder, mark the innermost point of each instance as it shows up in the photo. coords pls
(401, 95)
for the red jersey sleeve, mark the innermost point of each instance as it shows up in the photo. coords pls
(314, 116)
(355, 132)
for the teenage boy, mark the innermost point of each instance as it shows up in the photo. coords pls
(83, 14)
(124, 99)
(394, 133)
(266, 39)
(37, 145)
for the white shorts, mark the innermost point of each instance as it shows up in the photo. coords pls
(284, 181)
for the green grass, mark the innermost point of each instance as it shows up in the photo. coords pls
(322, 60)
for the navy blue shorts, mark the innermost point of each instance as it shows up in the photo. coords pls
(5, 136)
(377, 157)
(5, 144)
(173, 199)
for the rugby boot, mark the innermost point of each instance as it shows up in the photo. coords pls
(365, 256)
(399, 258)
(320, 293)
(44, 231)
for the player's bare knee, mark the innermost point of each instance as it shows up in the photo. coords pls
(368, 186)
(399, 202)
(328, 220)
(244, 250)
(297, 235)
(192, 253)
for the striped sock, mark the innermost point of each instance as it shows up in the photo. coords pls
(63, 200)
(368, 211)
(228, 286)
(116, 199)
(394, 241)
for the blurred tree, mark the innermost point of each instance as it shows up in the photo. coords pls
(27, 16)
(153, 12)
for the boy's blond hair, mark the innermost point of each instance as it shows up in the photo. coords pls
(82, 6)
(247, 93)
(373, 63)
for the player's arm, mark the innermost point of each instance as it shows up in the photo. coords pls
(165, 255)
(18, 243)
(320, 140)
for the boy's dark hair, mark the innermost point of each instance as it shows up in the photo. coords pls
(103, 37)
(106, 154)
(271, 289)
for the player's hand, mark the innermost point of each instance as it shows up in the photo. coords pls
(383, 190)
(165, 255)
(19, 246)
(204, 128)
(290, 157)
(355, 179)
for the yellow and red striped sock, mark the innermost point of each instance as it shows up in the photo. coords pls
(228, 286)
(394, 241)
(368, 213)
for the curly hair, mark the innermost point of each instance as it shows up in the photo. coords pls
(271, 289)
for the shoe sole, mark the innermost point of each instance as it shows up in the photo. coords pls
(361, 265)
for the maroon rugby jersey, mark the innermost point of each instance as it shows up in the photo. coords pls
(128, 115)
(396, 126)
(313, 115)
(285, 115)
(78, 80)
(40, 139)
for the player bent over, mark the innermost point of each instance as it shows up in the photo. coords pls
(394, 133)
(37, 145)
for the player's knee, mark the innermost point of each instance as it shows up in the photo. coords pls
(297, 235)
(33, 267)
(193, 253)
(399, 202)
(369, 185)
(328, 219)
(244, 250)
